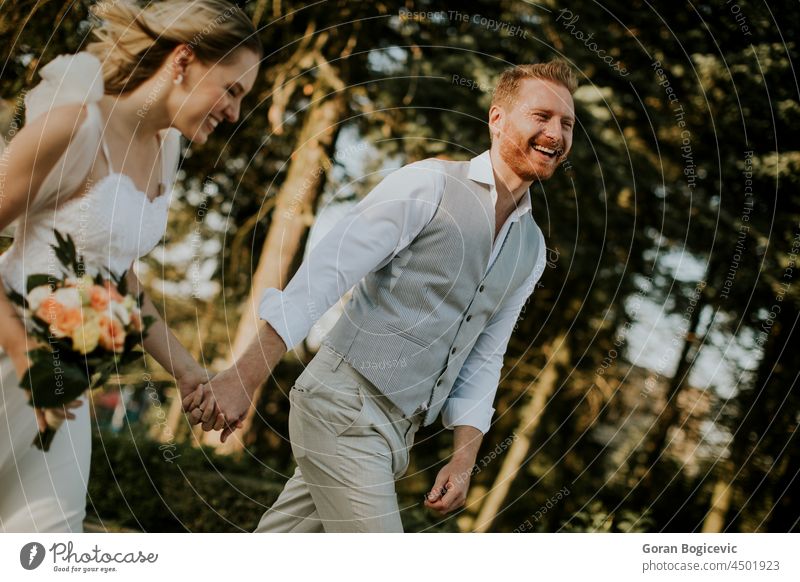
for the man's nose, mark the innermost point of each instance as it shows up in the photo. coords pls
(553, 131)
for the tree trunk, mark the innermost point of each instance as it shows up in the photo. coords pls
(720, 501)
(530, 416)
(655, 446)
(290, 219)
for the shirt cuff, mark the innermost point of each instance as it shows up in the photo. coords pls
(464, 411)
(290, 322)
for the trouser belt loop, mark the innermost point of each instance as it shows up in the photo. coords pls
(336, 361)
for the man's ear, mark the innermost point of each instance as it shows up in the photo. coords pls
(496, 118)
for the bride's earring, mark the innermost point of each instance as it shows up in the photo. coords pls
(179, 79)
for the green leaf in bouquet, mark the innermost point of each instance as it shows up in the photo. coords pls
(52, 380)
(129, 357)
(131, 341)
(103, 373)
(17, 298)
(121, 282)
(67, 254)
(35, 281)
(147, 321)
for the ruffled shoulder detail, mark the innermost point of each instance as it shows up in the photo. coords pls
(67, 79)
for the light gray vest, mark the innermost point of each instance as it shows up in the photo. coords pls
(409, 326)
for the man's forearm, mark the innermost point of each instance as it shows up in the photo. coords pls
(466, 443)
(260, 358)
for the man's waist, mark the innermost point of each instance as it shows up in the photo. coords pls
(346, 366)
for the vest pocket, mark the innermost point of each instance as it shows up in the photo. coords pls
(405, 335)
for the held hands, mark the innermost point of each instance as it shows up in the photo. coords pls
(190, 387)
(221, 403)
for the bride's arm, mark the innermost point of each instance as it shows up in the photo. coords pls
(25, 163)
(162, 344)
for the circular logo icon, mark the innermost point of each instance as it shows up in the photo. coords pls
(31, 555)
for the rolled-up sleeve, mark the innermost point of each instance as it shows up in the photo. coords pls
(471, 400)
(365, 239)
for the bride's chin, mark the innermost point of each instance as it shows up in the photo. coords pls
(199, 137)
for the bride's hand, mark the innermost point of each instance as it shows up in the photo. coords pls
(190, 381)
(21, 362)
(58, 414)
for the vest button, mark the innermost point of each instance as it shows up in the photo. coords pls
(453, 351)
(480, 289)
(469, 317)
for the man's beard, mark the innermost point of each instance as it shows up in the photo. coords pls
(515, 153)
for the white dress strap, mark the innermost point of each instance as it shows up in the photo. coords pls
(107, 155)
(170, 140)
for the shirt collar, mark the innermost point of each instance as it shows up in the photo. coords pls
(480, 170)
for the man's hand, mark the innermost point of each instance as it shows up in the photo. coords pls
(190, 385)
(225, 402)
(449, 492)
(226, 399)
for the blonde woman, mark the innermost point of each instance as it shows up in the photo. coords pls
(96, 159)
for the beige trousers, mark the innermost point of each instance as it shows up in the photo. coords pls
(351, 444)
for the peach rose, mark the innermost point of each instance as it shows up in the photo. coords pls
(60, 320)
(112, 334)
(99, 298)
(49, 309)
(67, 321)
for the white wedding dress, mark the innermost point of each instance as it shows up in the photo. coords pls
(112, 224)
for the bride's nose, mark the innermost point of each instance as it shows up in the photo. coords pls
(232, 112)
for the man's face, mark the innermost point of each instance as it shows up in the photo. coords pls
(534, 131)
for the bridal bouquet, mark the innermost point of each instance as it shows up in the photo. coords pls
(87, 328)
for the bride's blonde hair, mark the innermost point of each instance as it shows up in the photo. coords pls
(133, 41)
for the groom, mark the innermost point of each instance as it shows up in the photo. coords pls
(445, 254)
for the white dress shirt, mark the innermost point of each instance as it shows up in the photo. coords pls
(369, 236)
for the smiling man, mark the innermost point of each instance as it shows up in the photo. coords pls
(445, 254)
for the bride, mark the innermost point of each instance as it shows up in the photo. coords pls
(96, 159)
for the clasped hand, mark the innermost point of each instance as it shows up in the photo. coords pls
(219, 404)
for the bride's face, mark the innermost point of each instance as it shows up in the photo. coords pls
(211, 94)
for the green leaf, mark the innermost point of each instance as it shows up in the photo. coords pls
(67, 254)
(122, 283)
(38, 280)
(147, 321)
(17, 298)
(53, 382)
